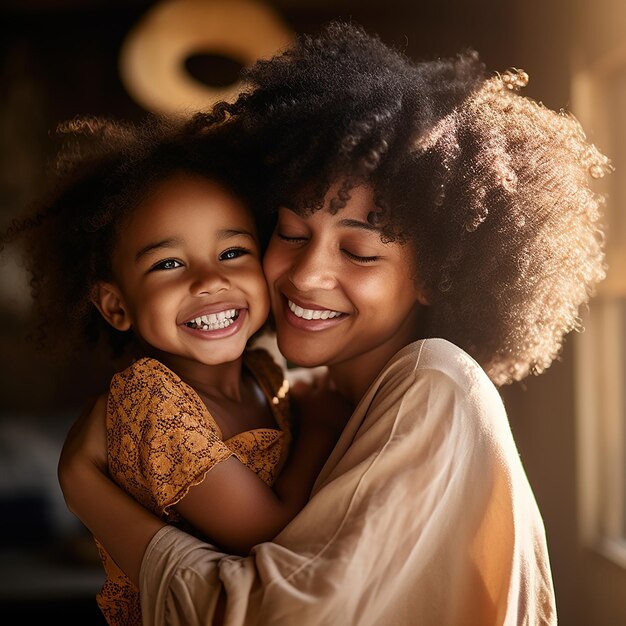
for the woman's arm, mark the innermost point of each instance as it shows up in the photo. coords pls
(116, 519)
(421, 514)
(232, 505)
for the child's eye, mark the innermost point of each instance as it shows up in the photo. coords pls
(166, 264)
(360, 259)
(233, 253)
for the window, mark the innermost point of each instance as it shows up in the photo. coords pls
(600, 102)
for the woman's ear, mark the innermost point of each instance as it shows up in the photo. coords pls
(421, 293)
(108, 299)
(422, 298)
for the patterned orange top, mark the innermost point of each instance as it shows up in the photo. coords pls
(162, 440)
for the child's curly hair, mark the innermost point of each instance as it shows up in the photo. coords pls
(490, 188)
(103, 169)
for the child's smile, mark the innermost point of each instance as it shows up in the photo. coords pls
(187, 274)
(214, 321)
(215, 325)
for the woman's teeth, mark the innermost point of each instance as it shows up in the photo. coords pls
(213, 321)
(311, 314)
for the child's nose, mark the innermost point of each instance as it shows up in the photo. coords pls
(209, 281)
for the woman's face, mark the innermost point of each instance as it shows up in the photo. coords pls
(338, 293)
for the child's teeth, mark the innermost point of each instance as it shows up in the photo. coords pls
(213, 321)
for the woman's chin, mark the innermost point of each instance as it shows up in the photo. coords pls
(299, 357)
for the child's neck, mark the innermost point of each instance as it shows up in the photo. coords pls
(233, 398)
(218, 382)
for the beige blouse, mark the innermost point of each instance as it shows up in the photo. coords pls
(162, 440)
(422, 516)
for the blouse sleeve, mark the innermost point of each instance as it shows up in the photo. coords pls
(422, 515)
(161, 438)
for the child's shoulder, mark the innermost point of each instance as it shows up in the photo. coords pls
(149, 382)
(265, 369)
(261, 359)
(145, 373)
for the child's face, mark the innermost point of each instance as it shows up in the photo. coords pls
(187, 273)
(339, 294)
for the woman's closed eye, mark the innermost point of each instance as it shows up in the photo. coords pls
(291, 238)
(359, 258)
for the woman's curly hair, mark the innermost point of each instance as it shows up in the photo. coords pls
(102, 170)
(491, 189)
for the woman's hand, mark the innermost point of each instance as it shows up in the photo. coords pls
(84, 447)
(88, 434)
(121, 524)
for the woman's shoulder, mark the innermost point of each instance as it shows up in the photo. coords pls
(440, 358)
(435, 379)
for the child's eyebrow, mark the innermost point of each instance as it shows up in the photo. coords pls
(172, 242)
(227, 233)
(165, 243)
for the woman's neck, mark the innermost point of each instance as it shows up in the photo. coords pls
(354, 377)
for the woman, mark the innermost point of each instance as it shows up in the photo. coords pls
(436, 237)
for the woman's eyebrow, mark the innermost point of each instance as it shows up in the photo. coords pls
(350, 223)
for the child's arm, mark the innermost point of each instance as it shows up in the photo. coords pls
(126, 528)
(237, 510)
(320, 416)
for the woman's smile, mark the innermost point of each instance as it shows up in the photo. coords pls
(311, 316)
(332, 306)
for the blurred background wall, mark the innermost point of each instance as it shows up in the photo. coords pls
(60, 58)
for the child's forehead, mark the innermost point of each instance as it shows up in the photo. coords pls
(186, 204)
(181, 188)
(183, 180)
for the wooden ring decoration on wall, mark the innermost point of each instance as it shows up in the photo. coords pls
(152, 58)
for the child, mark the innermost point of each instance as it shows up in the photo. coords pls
(171, 271)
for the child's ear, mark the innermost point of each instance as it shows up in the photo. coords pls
(108, 299)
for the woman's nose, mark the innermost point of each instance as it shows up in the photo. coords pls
(313, 269)
(208, 281)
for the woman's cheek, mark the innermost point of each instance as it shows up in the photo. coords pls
(274, 263)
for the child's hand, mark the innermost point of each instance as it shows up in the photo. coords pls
(320, 409)
(319, 416)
